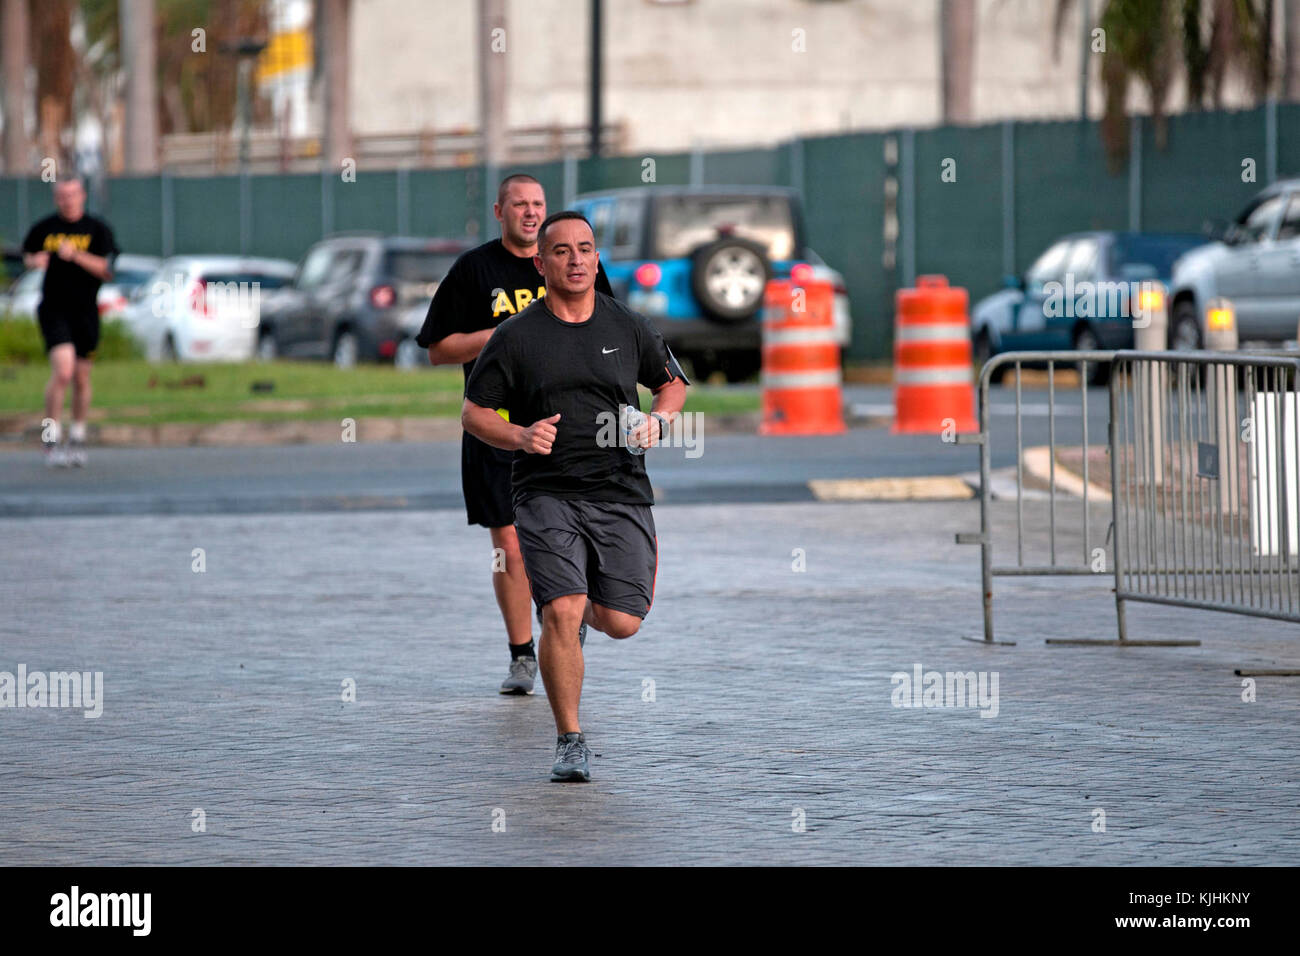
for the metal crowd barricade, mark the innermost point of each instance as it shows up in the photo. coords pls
(1203, 459)
(1204, 455)
(1016, 362)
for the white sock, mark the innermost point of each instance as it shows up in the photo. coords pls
(77, 432)
(53, 433)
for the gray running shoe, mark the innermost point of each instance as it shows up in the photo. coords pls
(582, 628)
(522, 672)
(77, 453)
(571, 755)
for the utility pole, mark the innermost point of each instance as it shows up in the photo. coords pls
(597, 42)
(14, 24)
(957, 60)
(335, 16)
(492, 78)
(139, 59)
(1085, 56)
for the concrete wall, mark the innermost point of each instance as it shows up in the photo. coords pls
(711, 72)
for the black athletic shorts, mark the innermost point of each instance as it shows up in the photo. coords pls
(604, 549)
(485, 480)
(59, 327)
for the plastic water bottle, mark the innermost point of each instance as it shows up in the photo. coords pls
(633, 419)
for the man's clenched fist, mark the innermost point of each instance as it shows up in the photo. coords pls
(539, 437)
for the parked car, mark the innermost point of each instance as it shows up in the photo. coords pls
(1255, 266)
(204, 308)
(1084, 292)
(24, 294)
(20, 300)
(409, 355)
(129, 273)
(350, 294)
(695, 261)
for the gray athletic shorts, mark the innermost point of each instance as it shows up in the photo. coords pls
(603, 549)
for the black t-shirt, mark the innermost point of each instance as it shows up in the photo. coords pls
(536, 364)
(484, 286)
(68, 289)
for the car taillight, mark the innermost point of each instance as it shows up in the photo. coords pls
(382, 296)
(801, 273)
(648, 274)
(199, 298)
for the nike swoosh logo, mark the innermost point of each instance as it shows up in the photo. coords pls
(605, 351)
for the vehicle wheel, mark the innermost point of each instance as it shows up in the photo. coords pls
(1185, 329)
(1085, 340)
(982, 353)
(345, 349)
(169, 349)
(268, 350)
(409, 355)
(728, 277)
(741, 365)
(702, 365)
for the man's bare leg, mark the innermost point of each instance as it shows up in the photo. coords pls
(81, 391)
(62, 364)
(617, 624)
(560, 657)
(511, 586)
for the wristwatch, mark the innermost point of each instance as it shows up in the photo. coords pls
(663, 424)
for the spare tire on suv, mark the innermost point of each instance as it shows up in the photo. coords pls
(728, 277)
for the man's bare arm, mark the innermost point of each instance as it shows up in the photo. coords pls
(668, 401)
(97, 266)
(486, 425)
(459, 347)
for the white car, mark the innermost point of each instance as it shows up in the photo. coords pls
(409, 355)
(129, 270)
(204, 308)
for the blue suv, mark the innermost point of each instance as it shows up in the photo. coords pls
(695, 260)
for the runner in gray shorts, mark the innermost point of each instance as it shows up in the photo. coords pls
(566, 370)
(603, 549)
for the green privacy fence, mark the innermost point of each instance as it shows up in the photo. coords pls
(974, 203)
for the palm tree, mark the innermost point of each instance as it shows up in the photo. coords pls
(1148, 41)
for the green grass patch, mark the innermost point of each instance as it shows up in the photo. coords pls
(21, 343)
(136, 392)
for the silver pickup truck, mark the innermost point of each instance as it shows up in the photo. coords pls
(1255, 266)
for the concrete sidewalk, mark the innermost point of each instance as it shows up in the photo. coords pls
(770, 704)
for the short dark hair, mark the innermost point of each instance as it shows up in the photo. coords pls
(556, 217)
(512, 178)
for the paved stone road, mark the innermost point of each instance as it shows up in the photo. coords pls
(772, 695)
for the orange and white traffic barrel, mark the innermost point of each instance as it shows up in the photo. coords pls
(933, 368)
(801, 360)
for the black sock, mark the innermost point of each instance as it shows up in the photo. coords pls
(521, 650)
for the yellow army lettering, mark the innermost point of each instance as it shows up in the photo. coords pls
(80, 240)
(523, 299)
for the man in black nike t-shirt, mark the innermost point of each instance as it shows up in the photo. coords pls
(486, 285)
(566, 369)
(76, 250)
